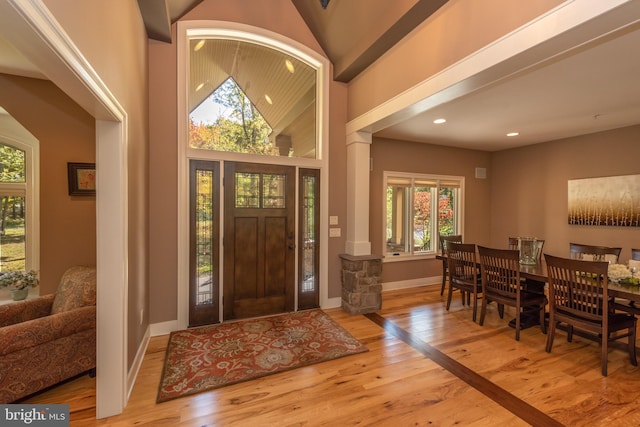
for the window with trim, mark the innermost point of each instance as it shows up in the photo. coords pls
(13, 191)
(417, 209)
(247, 98)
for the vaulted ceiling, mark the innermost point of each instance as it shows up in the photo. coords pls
(589, 88)
(353, 33)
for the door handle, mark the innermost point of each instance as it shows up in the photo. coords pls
(292, 246)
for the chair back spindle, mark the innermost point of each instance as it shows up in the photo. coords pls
(463, 273)
(501, 282)
(444, 241)
(578, 297)
(594, 253)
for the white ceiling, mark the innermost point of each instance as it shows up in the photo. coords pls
(13, 62)
(590, 89)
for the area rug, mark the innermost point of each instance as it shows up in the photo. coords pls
(209, 357)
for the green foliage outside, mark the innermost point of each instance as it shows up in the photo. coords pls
(12, 233)
(422, 214)
(241, 129)
(12, 249)
(422, 219)
(11, 164)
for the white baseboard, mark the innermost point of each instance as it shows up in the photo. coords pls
(164, 328)
(413, 283)
(332, 303)
(137, 362)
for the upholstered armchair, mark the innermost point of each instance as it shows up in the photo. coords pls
(48, 339)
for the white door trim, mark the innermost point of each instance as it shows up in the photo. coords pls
(33, 30)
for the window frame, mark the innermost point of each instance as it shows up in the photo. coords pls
(234, 30)
(30, 191)
(413, 177)
(222, 30)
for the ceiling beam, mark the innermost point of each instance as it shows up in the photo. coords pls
(157, 20)
(348, 67)
(159, 15)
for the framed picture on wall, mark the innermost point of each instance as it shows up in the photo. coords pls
(82, 179)
(611, 200)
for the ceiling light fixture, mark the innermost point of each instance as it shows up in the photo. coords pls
(200, 86)
(290, 66)
(439, 121)
(513, 134)
(198, 45)
(324, 3)
(268, 98)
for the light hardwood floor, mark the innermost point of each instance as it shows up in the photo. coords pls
(425, 367)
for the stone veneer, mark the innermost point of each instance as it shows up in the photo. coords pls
(361, 287)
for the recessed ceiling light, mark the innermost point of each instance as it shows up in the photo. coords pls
(513, 134)
(199, 86)
(198, 45)
(290, 66)
(439, 121)
(268, 98)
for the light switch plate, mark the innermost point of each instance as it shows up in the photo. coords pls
(333, 220)
(334, 232)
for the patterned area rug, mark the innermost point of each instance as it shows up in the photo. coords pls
(209, 357)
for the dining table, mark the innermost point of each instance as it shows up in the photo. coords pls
(538, 273)
(536, 278)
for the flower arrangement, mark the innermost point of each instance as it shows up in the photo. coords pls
(19, 279)
(622, 274)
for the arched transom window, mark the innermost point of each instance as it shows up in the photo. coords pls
(247, 98)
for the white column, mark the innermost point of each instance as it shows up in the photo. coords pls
(358, 153)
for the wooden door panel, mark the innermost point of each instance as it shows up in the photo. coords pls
(246, 257)
(256, 307)
(276, 247)
(259, 254)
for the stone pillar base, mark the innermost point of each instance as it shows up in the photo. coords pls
(361, 287)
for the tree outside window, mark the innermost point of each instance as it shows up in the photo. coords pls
(235, 124)
(417, 209)
(12, 208)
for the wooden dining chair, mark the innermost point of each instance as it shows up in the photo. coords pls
(578, 293)
(444, 240)
(501, 282)
(594, 253)
(463, 273)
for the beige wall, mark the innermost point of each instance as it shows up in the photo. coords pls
(402, 156)
(529, 189)
(66, 134)
(337, 180)
(525, 193)
(112, 37)
(163, 182)
(456, 30)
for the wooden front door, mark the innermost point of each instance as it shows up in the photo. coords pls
(259, 242)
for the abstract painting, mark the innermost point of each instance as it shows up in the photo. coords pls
(613, 200)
